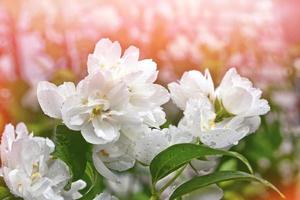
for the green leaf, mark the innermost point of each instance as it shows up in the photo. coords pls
(94, 183)
(202, 181)
(71, 147)
(177, 155)
(6, 195)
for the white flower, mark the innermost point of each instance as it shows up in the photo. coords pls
(221, 118)
(199, 118)
(105, 196)
(239, 97)
(138, 75)
(191, 85)
(29, 170)
(99, 109)
(107, 57)
(113, 156)
(98, 106)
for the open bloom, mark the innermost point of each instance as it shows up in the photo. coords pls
(99, 109)
(138, 75)
(118, 94)
(218, 118)
(199, 118)
(239, 97)
(97, 106)
(28, 169)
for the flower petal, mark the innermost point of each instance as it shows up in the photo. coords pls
(49, 99)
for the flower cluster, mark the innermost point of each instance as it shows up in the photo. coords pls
(30, 171)
(221, 117)
(117, 108)
(112, 106)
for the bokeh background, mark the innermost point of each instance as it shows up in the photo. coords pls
(50, 40)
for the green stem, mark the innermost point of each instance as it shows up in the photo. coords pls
(154, 197)
(178, 173)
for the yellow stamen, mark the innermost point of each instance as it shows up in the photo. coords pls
(104, 153)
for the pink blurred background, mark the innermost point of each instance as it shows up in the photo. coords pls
(50, 40)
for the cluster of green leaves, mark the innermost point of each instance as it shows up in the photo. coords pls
(176, 157)
(77, 154)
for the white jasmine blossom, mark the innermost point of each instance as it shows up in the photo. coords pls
(239, 97)
(118, 94)
(138, 75)
(221, 118)
(199, 118)
(99, 109)
(28, 169)
(97, 106)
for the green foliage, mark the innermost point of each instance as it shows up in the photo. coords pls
(178, 155)
(5, 194)
(262, 151)
(72, 149)
(202, 181)
(94, 183)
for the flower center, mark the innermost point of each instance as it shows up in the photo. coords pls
(35, 172)
(104, 153)
(97, 111)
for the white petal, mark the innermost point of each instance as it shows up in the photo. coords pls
(88, 133)
(118, 96)
(237, 100)
(8, 137)
(49, 99)
(147, 147)
(221, 138)
(93, 64)
(67, 89)
(58, 172)
(178, 96)
(253, 123)
(21, 130)
(103, 170)
(131, 55)
(102, 46)
(74, 193)
(92, 84)
(105, 130)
